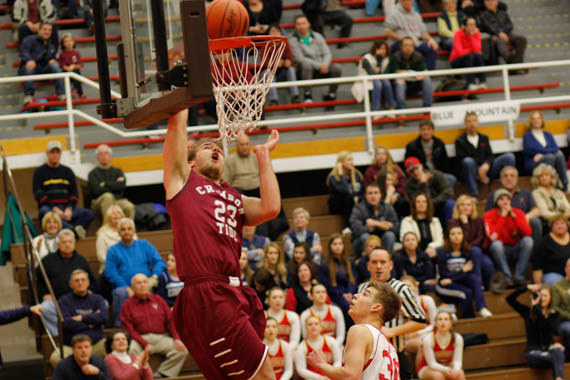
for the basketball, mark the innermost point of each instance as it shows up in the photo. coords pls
(226, 18)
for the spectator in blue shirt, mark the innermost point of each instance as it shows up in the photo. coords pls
(255, 244)
(128, 258)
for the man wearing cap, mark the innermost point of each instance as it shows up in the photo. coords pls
(55, 190)
(107, 185)
(431, 152)
(127, 258)
(432, 183)
(474, 152)
(509, 232)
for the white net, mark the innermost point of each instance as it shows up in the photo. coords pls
(242, 70)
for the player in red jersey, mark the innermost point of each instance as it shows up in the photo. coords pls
(219, 320)
(368, 354)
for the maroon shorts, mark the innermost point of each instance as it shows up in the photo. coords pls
(221, 326)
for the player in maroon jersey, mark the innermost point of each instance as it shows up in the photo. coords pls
(220, 322)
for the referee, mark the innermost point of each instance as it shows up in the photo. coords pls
(411, 318)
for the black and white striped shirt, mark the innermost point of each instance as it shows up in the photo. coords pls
(411, 310)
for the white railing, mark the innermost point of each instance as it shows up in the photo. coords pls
(367, 114)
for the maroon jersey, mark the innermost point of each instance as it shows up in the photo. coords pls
(69, 57)
(207, 222)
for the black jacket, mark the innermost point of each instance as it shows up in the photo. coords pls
(110, 177)
(494, 23)
(540, 330)
(439, 154)
(481, 154)
(59, 269)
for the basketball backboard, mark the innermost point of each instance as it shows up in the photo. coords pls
(164, 63)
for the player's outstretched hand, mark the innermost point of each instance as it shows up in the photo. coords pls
(271, 143)
(316, 358)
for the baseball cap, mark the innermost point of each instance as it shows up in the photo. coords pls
(54, 144)
(499, 193)
(410, 163)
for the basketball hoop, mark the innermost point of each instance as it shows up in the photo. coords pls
(242, 70)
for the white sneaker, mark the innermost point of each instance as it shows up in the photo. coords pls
(472, 86)
(482, 86)
(28, 99)
(485, 313)
(61, 97)
(347, 231)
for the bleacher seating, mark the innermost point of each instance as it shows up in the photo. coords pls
(502, 358)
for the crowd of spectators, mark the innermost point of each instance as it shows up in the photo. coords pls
(408, 221)
(477, 34)
(439, 243)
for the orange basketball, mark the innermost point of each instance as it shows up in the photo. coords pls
(226, 18)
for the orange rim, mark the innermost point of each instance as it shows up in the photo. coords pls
(220, 44)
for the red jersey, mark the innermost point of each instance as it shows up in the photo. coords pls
(207, 221)
(284, 328)
(326, 350)
(278, 361)
(69, 57)
(443, 355)
(328, 323)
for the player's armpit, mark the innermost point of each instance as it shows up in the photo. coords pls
(256, 211)
(175, 154)
(358, 348)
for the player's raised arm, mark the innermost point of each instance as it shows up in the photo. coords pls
(259, 210)
(175, 154)
(358, 345)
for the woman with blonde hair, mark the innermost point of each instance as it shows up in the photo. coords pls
(346, 186)
(442, 351)
(549, 199)
(47, 242)
(383, 160)
(465, 216)
(274, 261)
(539, 147)
(339, 275)
(316, 341)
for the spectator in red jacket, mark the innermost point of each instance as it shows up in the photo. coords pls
(509, 232)
(466, 52)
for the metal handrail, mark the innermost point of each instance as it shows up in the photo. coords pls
(366, 114)
(31, 254)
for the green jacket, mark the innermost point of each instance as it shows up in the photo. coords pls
(12, 231)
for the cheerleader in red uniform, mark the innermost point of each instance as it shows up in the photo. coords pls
(279, 351)
(316, 341)
(332, 320)
(442, 352)
(288, 325)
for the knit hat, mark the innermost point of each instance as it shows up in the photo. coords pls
(411, 163)
(499, 193)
